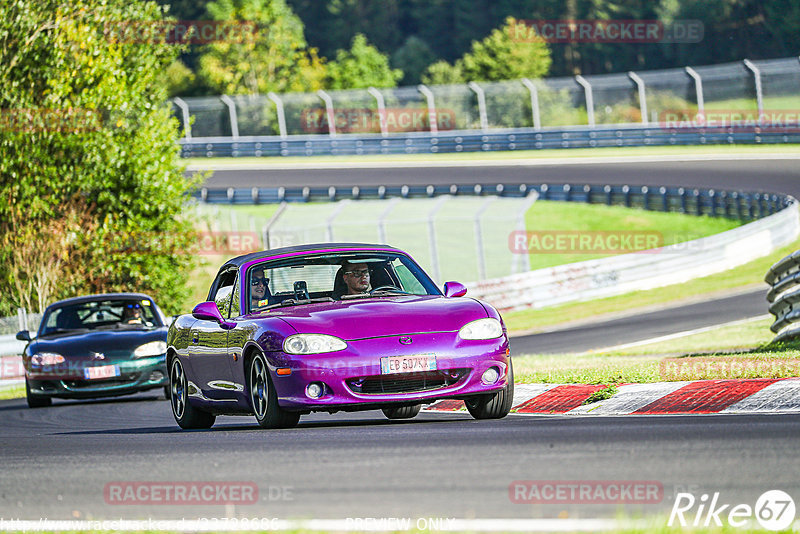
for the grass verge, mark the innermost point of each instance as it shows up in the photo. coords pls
(749, 274)
(12, 392)
(737, 351)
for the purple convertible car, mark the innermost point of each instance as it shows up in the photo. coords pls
(334, 327)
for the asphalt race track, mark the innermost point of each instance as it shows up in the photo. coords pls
(58, 462)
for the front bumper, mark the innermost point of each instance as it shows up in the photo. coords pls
(353, 377)
(135, 375)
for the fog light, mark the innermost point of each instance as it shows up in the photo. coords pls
(156, 376)
(314, 390)
(490, 375)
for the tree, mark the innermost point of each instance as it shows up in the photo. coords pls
(89, 158)
(413, 58)
(508, 53)
(443, 73)
(360, 67)
(273, 57)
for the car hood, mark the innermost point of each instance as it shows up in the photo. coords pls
(118, 342)
(384, 316)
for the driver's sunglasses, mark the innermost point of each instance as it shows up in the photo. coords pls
(359, 274)
(255, 281)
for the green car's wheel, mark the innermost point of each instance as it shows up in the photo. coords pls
(35, 401)
(264, 399)
(493, 405)
(186, 415)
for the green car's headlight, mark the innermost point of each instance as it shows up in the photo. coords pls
(47, 358)
(488, 328)
(154, 348)
(312, 344)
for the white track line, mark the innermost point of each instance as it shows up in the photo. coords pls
(522, 162)
(677, 335)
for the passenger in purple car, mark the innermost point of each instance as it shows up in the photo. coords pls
(258, 289)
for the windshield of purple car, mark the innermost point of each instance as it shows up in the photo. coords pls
(100, 314)
(340, 277)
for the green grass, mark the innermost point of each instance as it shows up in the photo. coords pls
(573, 153)
(12, 392)
(738, 351)
(593, 221)
(749, 274)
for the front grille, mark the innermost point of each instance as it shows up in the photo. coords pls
(117, 381)
(406, 382)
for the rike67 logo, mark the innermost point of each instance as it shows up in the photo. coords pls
(774, 510)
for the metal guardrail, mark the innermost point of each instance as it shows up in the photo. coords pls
(715, 203)
(476, 141)
(784, 296)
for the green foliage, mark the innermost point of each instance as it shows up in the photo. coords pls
(360, 67)
(443, 73)
(413, 58)
(178, 78)
(504, 56)
(274, 57)
(88, 156)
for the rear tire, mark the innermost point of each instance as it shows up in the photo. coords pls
(35, 401)
(402, 412)
(493, 405)
(186, 415)
(264, 398)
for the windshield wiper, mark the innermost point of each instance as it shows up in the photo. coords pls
(296, 302)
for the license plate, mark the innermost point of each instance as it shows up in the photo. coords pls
(408, 364)
(103, 371)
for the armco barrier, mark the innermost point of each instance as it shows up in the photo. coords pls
(784, 296)
(476, 141)
(640, 271)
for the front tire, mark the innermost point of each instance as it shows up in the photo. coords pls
(35, 401)
(493, 405)
(402, 412)
(264, 398)
(186, 415)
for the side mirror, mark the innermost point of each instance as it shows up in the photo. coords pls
(454, 289)
(23, 335)
(208, 311)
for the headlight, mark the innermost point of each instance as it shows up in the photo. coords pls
(46, 358)
(312, 344)
(154, 348)
(481, 329)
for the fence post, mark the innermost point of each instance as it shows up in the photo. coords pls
(587, 88)
(437, 275)
(271, 222)
(329, 221)
(228, 101)
(434, 125)
(537, 120)
(279, 109)
(479, 237)
(759, 95)
(381, 110)
(329, 111)
(698, 85)
(481, 104)
(524, 259)
(382, 220)
(642, 95)
(187, 127)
